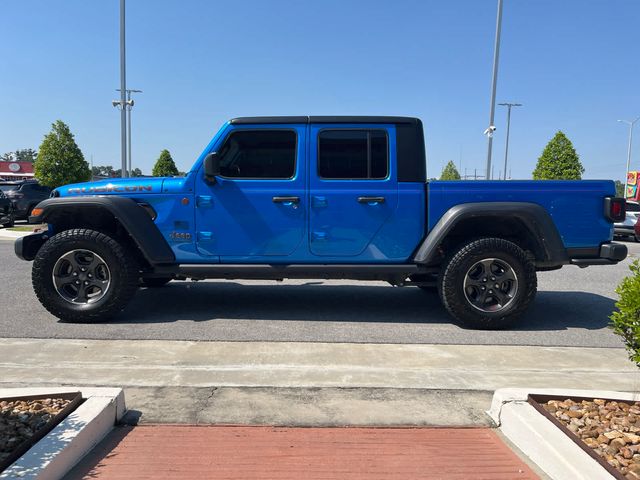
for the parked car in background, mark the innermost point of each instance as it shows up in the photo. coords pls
(637, 230)
(25, 195)
(6, 211)
(626, 227)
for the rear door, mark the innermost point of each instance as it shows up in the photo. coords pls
(353, 188)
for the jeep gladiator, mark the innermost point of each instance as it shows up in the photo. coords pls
(318, 197)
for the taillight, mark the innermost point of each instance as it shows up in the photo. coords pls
(615, 209)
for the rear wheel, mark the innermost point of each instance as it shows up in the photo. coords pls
(84, 276)
(488, 283)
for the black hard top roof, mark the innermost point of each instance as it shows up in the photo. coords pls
(325, 119)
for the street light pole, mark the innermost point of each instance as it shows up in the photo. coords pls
(129, 106)
(506, 148)
(494, 81)
(123, 88)
(631, 124)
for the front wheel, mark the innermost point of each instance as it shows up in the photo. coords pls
(488, 283)
(84, 276)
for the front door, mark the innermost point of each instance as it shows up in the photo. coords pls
(353, 189)
(256, 207)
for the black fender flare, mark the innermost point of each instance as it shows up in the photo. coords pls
(544, 234)
(127, 212)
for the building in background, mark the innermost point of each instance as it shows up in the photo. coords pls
(16, 170)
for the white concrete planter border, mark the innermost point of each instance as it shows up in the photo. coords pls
(64, 446)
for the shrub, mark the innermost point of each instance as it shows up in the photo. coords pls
(626, 321)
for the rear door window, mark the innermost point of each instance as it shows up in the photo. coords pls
(353, 154)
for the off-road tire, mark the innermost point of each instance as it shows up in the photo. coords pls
(155, 282)
(123, 275)
(452, 280)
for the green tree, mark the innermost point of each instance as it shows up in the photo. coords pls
(559, 161)
(26, 155)
(450, 172)
(60, 160)
(620, 189)
(165, 166)
(103, 171)
(136, 172)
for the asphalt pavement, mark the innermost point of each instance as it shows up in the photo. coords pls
(571, 309)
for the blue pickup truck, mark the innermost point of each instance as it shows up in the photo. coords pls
(318, 197)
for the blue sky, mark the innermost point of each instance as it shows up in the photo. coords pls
(574, 64)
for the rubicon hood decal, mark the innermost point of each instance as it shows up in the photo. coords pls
(110, 188)
(132, 186)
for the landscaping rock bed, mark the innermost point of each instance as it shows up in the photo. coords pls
(610, 428)
(20, 420)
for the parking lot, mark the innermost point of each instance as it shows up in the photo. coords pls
(571, 309)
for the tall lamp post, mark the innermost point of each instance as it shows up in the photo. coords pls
(631, 124)
(123, 88)
(129, 106)
(506, 148)
(494, 81)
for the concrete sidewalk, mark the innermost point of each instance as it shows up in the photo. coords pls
(309, 383)
(154, 363)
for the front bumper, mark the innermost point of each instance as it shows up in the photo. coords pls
(26, 248)
(610, 254)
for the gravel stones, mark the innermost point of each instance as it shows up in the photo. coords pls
(610, 428)
(21, 419)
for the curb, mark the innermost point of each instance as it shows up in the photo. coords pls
(555, 453)
(53, 456)
(11, 235)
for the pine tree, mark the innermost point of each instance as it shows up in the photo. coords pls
(450, 172)
(165, 166)
(60, 160)
(559, 161)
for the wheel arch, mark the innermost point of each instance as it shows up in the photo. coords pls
(527, 224)
(121, 217)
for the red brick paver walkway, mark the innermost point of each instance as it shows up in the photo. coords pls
(247, 453)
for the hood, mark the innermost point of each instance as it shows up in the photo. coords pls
(113, 186)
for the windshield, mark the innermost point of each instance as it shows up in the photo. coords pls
(8, 188)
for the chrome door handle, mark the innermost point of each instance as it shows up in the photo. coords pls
(371, 200)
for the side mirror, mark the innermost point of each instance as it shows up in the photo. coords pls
(211, 167)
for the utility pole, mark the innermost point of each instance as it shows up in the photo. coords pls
(494, 81)
(129, 106)
(631, 124)
(123, 88)
(506, 148)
